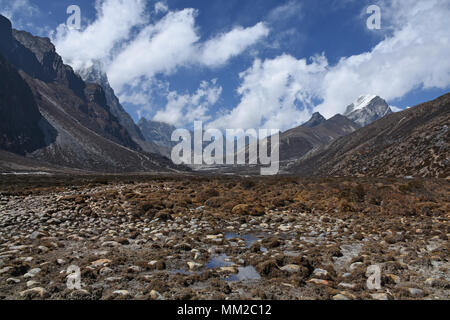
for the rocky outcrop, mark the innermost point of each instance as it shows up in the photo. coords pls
(315, 120)
(79, 130)
(157, 132)
(95, 74)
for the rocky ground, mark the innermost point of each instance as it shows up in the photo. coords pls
(223, 238)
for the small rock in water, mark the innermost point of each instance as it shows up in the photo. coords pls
(318, 281)
(134, 269)
(194, 265)
(36, 235)
(229, 269)
(61, 261)
(4, 270)
(347, 285)
(32, 283)
(43, 249)
(105, 271)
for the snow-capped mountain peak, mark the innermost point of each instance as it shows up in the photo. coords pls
(363, 101)
(367, 109)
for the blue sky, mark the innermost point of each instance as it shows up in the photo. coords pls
(250, 63)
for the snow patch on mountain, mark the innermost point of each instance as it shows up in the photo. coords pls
(367, 109)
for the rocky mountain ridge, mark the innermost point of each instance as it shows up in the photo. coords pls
(414, 142)
(79, 130)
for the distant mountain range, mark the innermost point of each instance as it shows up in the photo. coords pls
(55, 119)
(318, 131)
(414, 142)
(296, 142)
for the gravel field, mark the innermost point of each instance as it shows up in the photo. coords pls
(223, 238)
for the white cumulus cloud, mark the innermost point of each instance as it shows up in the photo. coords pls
(174, 42)
(275, 93)
(280, 92)
(184, 109)
(161, 7)
(114, 23)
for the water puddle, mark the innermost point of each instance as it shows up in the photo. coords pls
(244, 273)
(219, 262)
(249, 239)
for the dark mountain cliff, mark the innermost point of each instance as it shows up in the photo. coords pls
(77, 127)
(19, 115)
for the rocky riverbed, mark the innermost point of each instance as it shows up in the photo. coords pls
(192, 237)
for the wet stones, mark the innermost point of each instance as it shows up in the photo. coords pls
(415, 293)
(157, 265)
(123, 294)
(193, 266)
(155, 295)
(308, 248)
(268, 268)
(272, 242)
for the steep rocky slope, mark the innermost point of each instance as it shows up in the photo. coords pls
(158, 132)
(81, 131)
(20, 119)
(414, 142)
(315, 120)
(297, 142)
(96, 74)
(367, 109)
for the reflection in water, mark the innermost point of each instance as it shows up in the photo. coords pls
(249, 239)
(245, 273)
(219, 261)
